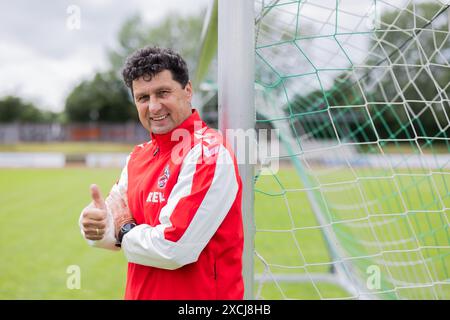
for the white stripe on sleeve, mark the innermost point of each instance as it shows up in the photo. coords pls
(146, 245)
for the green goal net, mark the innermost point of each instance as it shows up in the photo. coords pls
(360, 205)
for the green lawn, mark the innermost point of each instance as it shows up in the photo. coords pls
(70, 147)
(397, 221)
(41, 238)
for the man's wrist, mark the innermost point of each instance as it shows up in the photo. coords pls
(124, 229)
(119, 223)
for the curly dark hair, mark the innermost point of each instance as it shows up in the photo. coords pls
(150, 61)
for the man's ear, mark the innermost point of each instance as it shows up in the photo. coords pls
(188, 90)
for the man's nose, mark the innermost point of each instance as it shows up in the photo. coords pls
(154, 105)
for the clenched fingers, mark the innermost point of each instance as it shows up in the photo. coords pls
(93, 222)
(94, 233)
(94, 230)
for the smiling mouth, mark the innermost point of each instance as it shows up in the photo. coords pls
(159, 118)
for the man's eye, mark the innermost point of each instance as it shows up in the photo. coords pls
(142, 98)
(164, 93)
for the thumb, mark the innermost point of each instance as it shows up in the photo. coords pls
(97, 197)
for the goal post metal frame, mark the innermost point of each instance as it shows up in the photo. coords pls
(236, 56)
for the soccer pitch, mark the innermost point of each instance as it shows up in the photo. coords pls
(394, 222)
(41, 238)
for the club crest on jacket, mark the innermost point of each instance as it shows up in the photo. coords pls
(162, 181)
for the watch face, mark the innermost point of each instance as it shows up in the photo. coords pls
(124, 229)
(127, 227)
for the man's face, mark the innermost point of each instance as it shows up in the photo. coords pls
(162, 103)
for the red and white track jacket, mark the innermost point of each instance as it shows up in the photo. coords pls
(185, 196)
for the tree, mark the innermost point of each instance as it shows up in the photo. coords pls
(179, 33)
(14, 109)
(104, 98)
(415, 58)
(416, 42)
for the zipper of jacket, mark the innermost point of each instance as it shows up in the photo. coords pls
(156, 152)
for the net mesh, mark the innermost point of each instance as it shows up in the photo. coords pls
(359, 91)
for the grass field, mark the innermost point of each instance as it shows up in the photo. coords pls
(41, 239)
(398, 222)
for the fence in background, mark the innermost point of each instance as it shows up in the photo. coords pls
(131, 132)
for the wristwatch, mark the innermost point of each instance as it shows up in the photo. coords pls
(123, 231)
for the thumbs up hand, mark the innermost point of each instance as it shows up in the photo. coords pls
(94, 216)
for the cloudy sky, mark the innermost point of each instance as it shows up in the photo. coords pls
(43, 53)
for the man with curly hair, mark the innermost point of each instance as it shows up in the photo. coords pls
(176, 209)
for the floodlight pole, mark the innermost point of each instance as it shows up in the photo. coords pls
(236, 56)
